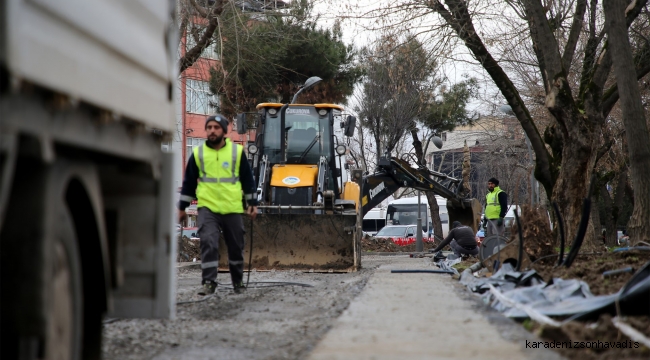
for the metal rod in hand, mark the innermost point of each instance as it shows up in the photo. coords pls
(250, 255)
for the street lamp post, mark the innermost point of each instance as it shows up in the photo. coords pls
(309, 83)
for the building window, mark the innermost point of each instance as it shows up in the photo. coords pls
(198, 98)
(190, 144)
(209, 52)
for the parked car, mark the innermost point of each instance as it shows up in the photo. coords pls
(190, 232)
(400, 234)
(480, 235)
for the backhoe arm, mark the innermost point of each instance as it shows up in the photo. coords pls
(395, 173)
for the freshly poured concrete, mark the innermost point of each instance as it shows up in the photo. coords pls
(421, 316)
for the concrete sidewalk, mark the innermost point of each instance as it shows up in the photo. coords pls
(422, 316)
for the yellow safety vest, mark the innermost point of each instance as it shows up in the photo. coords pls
(219, 188)
(492, 207)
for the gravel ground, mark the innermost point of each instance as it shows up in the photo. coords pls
(266, 322)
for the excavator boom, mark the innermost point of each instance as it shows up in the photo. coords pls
(394, 173)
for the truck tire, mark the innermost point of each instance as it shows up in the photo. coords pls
(63, 290)
(42, 302)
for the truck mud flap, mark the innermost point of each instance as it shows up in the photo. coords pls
(323, 243)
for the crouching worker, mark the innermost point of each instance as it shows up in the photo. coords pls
(461, 239)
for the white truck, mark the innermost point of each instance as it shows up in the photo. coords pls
(86, 194)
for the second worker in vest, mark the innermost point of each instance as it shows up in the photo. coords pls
(218, 175)
(496, 207)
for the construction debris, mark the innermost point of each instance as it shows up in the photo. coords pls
(189, 249)
(536, 230)
(558, 297)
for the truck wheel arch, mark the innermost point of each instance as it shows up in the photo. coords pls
(39, 193)
(83, 198)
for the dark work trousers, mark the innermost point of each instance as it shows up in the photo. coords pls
(210, 227)
(459, 250)
(494, 229)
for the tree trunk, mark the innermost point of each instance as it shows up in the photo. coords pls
(362, 149)
(431, 197)
(578, 158)
(595, 220)
(619, 195)
(377, 146)
(636, 128)
(435, 216)
(610, 217)
(467, 169)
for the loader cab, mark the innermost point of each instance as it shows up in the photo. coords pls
(308, 136)
(309, 145)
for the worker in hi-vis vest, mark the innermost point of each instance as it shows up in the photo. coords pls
(496, 206)
(219, 177)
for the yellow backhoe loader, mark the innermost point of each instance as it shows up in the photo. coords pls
(310, 213)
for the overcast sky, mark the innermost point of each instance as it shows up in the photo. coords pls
(355, 31)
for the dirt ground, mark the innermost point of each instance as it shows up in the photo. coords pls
(188, 249)
(583, 335)
(285, 322)
(268, 321)
(589, 269)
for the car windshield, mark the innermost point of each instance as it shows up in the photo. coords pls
(392, 231)
(407, 214)
(304, 129)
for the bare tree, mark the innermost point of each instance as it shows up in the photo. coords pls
(577, 90)
(638, 137)
(398, 73)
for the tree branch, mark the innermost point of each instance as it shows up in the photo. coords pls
(182, 28)
(612, 95)
(544, 38)
(200, 9)
(604, 64)
(605, 148)
(460, 21)
(631, 13)
(574, 34)
(194, 53)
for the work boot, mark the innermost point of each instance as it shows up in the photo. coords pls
(209, 287)
(239, 288)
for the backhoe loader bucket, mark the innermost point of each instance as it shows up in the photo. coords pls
(468, 212)
(320, 242)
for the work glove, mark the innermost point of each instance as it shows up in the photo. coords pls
(500, 222)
